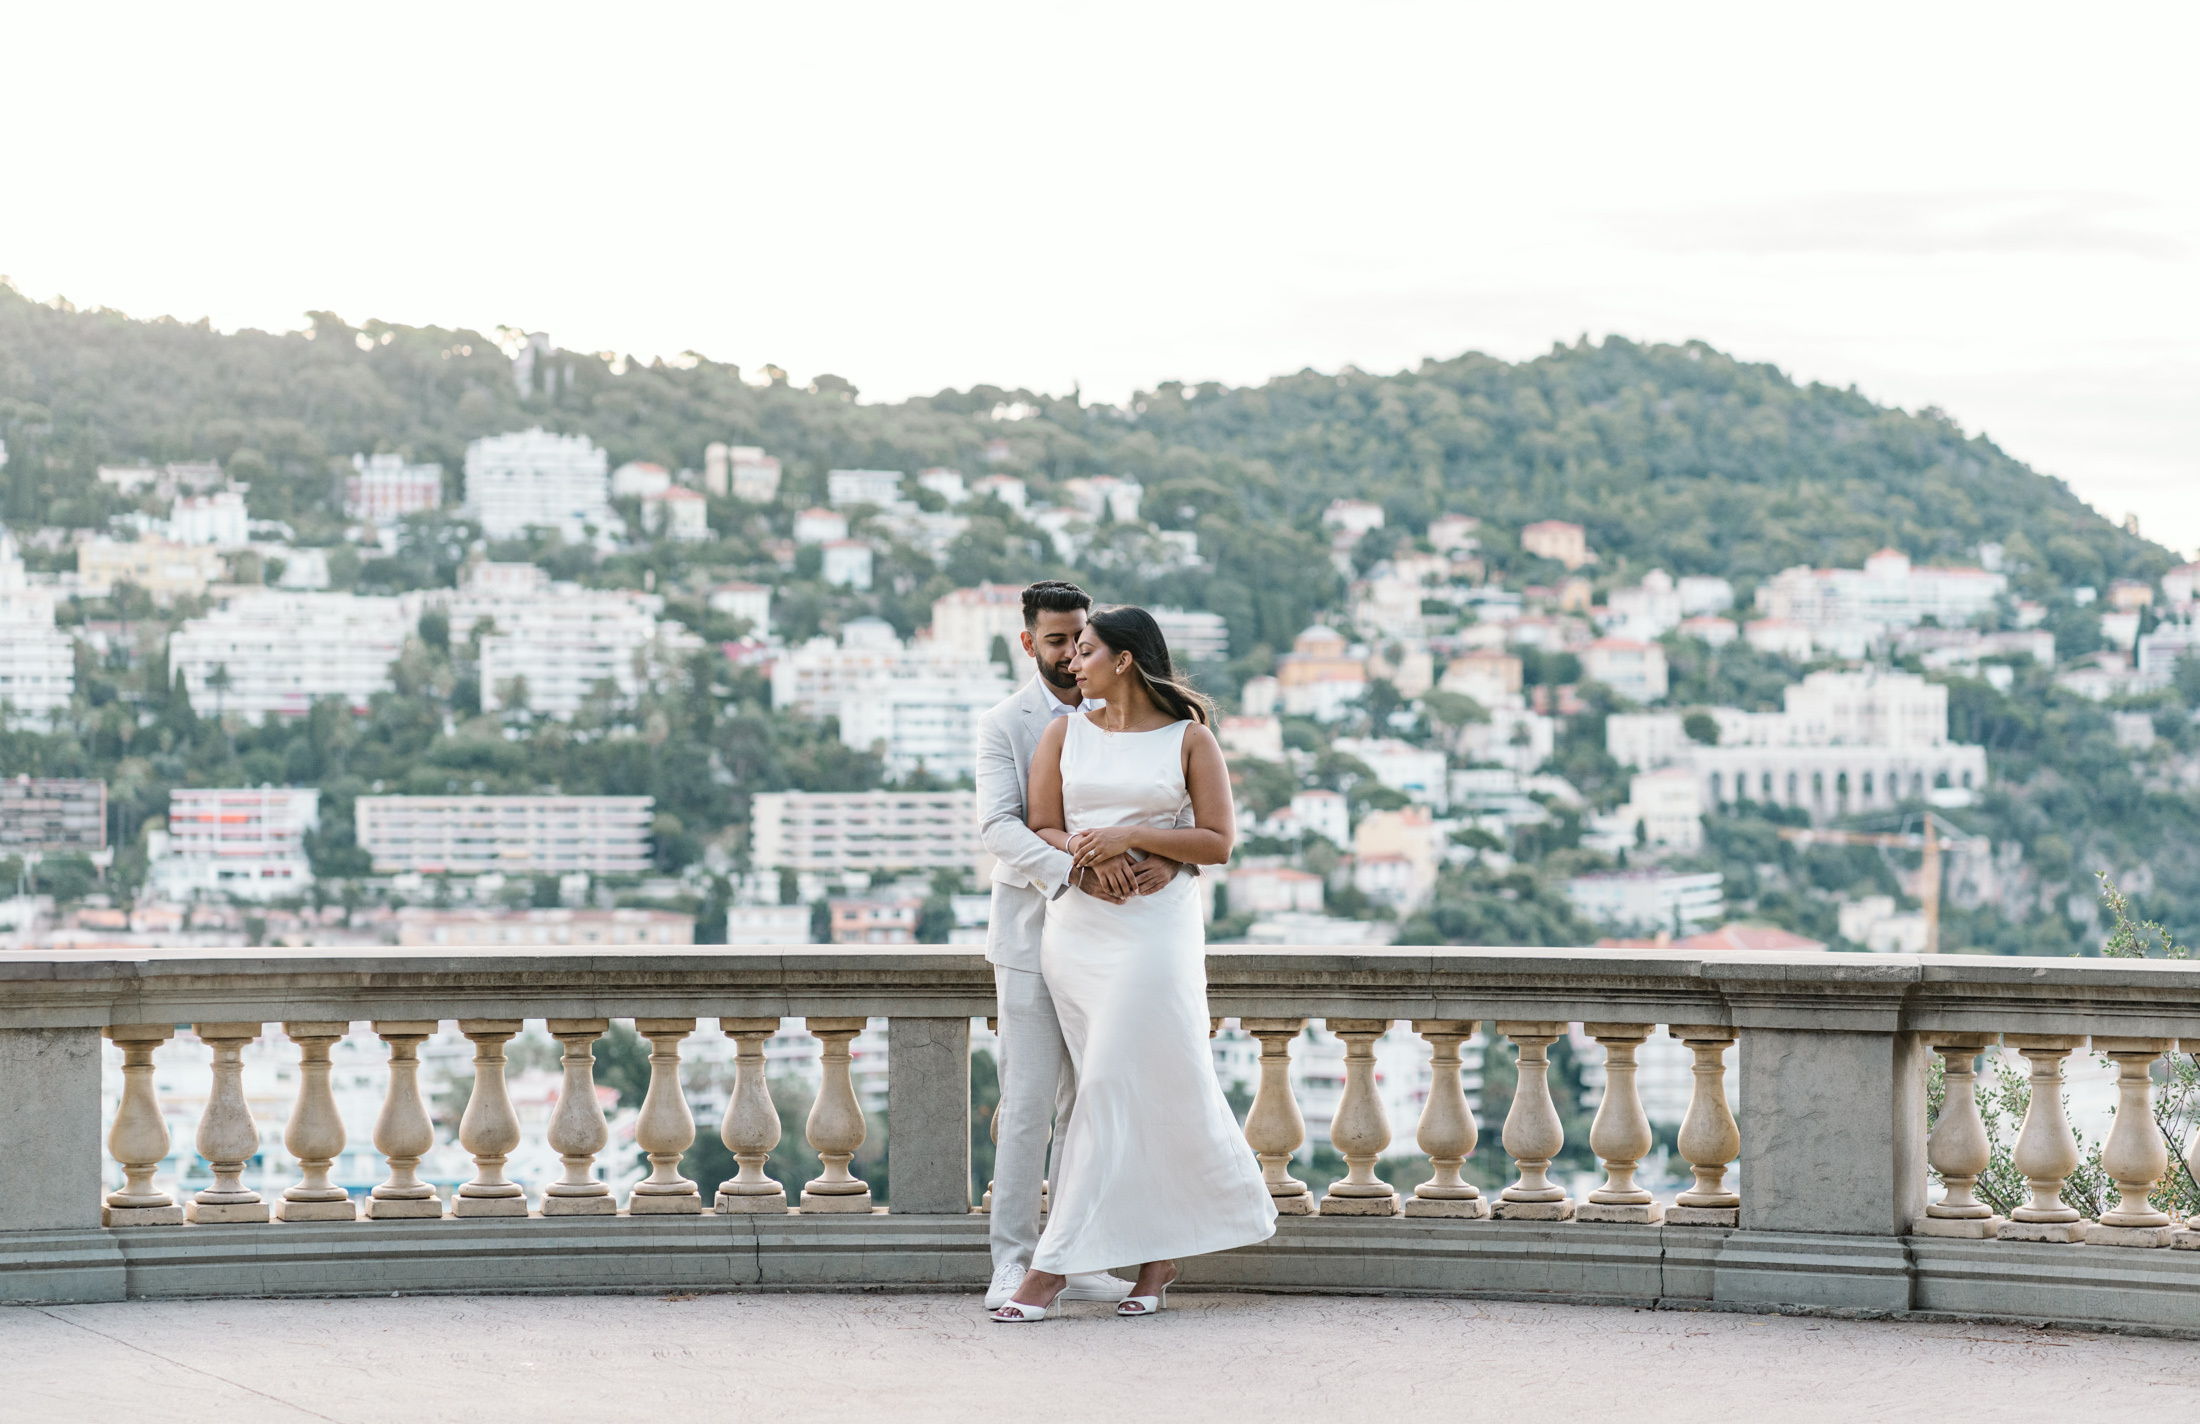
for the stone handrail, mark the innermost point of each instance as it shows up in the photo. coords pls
(1830, 1210)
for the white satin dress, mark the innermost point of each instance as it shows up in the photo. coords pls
(1152, 1164)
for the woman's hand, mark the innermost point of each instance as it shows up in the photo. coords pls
(1093, 847)
(1111, 881)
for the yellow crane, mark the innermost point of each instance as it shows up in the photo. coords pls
(1928, 841)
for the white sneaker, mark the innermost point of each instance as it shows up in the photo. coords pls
(1005, 1280)
(1096, 1285)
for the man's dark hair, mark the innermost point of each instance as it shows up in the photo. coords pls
(1054, 596)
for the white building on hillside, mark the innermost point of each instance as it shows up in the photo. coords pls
(268, 651)
(218, 519)
(847, 487)
(166, 571)
(1664, 809)
(383, 488)
(820, 526)
(847, 564)
(533, 479)
(1650, 900)
(562, 641)
(749, 601)
(1846, 742)
(838, 832)
(37, 661)
(755, 474)
(1417, 771)
(1194, 637)
(639, 479)
(1650, 609)
(947, 484)
(512, 835)
(239, 841)
(677, 513)
(915, 705)
(967, 621)
(1887, 593)
(1629, 666)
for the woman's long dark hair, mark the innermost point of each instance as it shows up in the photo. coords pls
(1126, 629)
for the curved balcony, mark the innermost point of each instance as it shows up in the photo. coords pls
(1810, 1189)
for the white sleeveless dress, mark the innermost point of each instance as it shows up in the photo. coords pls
(1152, 1164)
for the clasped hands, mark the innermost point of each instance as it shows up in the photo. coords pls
(1101, 867)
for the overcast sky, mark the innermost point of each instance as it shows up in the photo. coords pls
(1975, 207)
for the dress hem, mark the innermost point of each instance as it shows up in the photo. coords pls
(1167, 1252)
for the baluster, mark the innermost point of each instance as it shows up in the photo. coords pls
(2046, 1151)
(1360, 1130)
(835, 1128)
(1959, 1149)
(2187, 1237)
(489, 1129)
(1274, 1128)
(228, 1138)
(1709, 1139)
(751, 1127)
(577, 1129)
(1534, 1136)
(1447, 1132)
(1620, 1132)
(315, 1135)
(2134, 1156)
(139, 1138)
(403, 1131)
(993, 1124)
(666, 1128)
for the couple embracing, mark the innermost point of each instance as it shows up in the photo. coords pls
(1101, 790)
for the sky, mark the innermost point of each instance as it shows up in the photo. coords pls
(1975, 207)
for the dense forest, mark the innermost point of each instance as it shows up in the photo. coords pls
(1673, 456)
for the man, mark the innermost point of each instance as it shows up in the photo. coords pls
(1037, 1082)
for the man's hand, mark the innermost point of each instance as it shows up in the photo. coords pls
(1154, 873)
(1110, 880)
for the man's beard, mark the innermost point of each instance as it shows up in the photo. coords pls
(1059, 676)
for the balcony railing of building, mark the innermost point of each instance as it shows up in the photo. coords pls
(1810, 1191)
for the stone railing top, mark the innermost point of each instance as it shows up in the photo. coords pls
(1833, 992)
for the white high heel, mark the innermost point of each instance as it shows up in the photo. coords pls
(1134, 1306)
(1018, 1312)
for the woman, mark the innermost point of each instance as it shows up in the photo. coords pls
(1152, 1165)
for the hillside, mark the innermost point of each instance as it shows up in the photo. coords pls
(1671, 456)
(1677, 456)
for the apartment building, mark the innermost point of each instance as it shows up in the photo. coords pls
(877, 487)
(917, 705)
(385, 488)
(533, 479)
(37, 660)
(1194, 637)
(166, 571)
(967, 621)
(517, 835)
(248, 843)
(1887, 593)
(1650, 900)
(554, 645)
(268, 651)
(836, 832)
(52, 815)
(218, 519)
(676, 512)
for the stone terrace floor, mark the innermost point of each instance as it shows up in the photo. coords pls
(424, 1360)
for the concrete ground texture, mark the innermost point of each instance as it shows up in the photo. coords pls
(1211, 1355)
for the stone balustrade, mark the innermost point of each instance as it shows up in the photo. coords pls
(1810, 1190)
